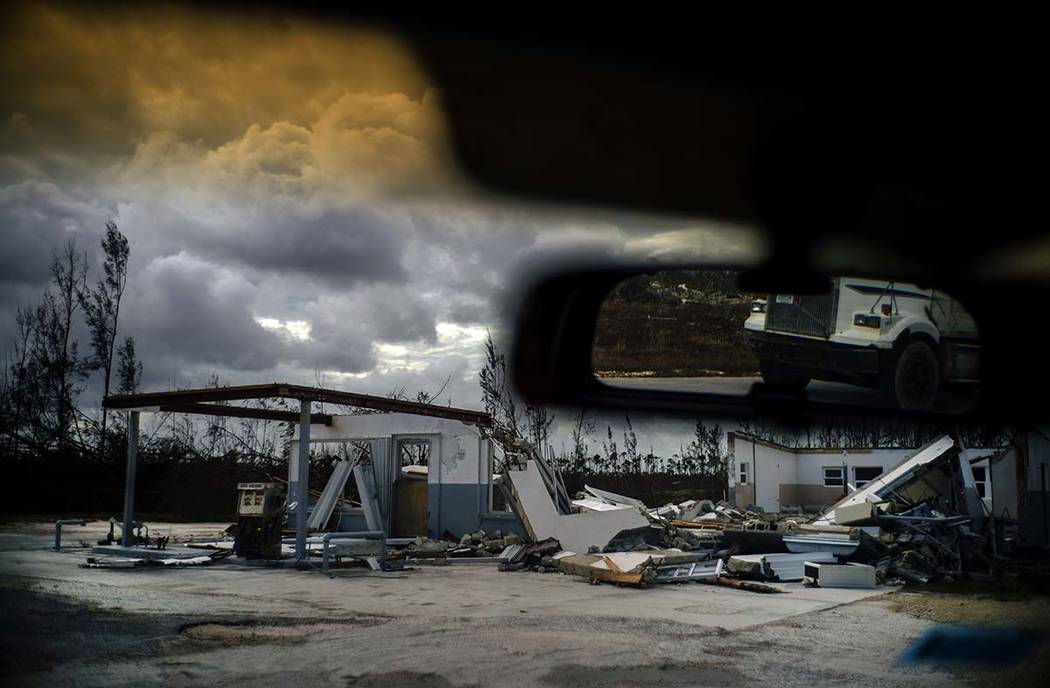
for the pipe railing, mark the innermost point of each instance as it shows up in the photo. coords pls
(67, 522)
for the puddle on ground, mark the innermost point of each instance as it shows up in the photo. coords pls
(246, 631)
(407, 679)
(662, 675)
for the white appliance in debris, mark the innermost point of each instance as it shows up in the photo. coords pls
(826, 575)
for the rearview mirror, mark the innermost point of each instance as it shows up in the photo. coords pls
(695, 341)
(862, 341)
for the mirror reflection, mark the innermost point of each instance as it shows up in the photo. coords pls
(870, 342)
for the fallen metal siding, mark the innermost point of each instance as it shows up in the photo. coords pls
(786, 567)
(841, 546)
(366, 490)
(683, 573)
(322, 511)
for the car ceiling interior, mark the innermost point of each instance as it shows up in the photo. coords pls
(906, 143)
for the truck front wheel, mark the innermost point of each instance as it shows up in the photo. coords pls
(911, 382)
(782, 375)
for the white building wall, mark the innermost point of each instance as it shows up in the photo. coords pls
(458, 453)
(772, 466)
(459, 479)
(811, 463)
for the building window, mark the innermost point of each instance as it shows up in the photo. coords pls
(862, 475)
(414, 452)
(833, 476)
(745, 470)
(980, 479)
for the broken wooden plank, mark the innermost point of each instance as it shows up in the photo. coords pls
(606, 576)
(740, 584)
(704, 525)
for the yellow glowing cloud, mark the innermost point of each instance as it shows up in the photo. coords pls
(270, 98)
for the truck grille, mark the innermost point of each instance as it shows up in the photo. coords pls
(809, 314)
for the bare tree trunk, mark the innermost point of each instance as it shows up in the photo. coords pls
(68, 274)
(102, 309)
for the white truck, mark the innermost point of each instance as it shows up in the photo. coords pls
(907, 341)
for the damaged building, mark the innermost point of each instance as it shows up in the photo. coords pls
(429, 476)
(776, 478)
(1020, 482)
(412, 484)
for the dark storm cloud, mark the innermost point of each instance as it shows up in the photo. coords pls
(337, 248)
(344, 327)
(37, 217)
(400, 315)
(465, 310)
(193, 311)
(347, 354)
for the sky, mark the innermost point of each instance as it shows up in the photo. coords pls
(292, 201)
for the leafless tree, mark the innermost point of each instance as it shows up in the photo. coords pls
(129, 369)
(582, 429)
(55, 351)
(20, 400)
(102, 312)
(610, 453)
(632, 460)
(538, 421)
(496, 393)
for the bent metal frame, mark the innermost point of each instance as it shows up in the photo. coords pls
(202, 402)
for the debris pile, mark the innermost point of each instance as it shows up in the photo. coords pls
(922, 544)
(923, 520)
(611, 538)
(540, 556)
(476, 547)
(134, 559)
(920, 521)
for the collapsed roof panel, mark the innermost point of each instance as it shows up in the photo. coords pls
(893, 479)
(575, 532)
